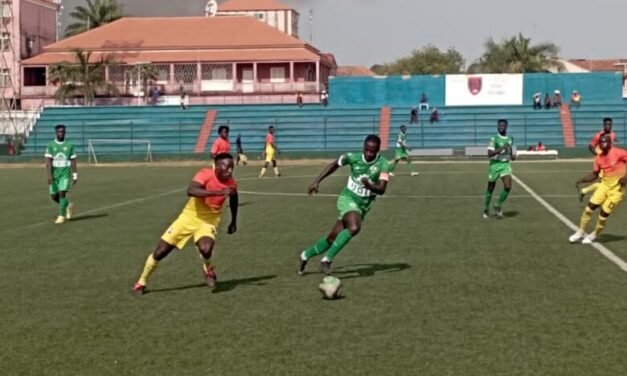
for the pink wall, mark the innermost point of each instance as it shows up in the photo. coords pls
(263, 71)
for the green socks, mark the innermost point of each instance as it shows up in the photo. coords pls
(320, 247)
(63, 204)
(392, 164)
(340, 241)
(488, 199)
(502, 197)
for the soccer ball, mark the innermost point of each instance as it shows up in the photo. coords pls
(331, 287)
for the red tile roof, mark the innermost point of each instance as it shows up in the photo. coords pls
(354, 70)
(243, 5)
(176, 39)
(599, 64)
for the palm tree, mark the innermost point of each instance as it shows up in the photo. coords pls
(81, 78)
(97, 13)
(517, 55)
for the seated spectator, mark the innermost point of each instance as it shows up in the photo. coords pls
(324, 97)
(547, 101)
(557, 99)
(299, 99)
(575, 99)
(424, 102)
(435, 116)
(540, 147)
(154, 93)
(537, 101)
(413, 115)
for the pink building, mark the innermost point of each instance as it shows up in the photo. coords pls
(27, 26)
(271, 12)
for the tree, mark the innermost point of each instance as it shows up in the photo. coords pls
(517, 55)
(97, 13)
(427, 60)
(81, 78)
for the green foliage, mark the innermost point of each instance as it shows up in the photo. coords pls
(95, 14)
(427, 60)
(82, 78)
(517, 55)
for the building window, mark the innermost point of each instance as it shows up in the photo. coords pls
(277, 75)
(5, 80)
(260, 16)
(5, 41)
(5, 8)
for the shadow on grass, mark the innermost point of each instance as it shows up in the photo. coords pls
(368, 270)
(88, 217)
(221, 286)
(510, 214)
(610, 238)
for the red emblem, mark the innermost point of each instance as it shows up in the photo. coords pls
(474, 85)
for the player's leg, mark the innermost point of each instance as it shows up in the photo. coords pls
(162, 251)
(507, 187)
(488, 196)
(595, 201)
(205, 247)
(263, 169)
(410, 166)
(320, 247)
(614, 199)
(393, 163)
(591, 188)
(352, 226)
(276, 169)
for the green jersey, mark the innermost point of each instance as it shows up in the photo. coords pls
(61, 153)
(497, 142)
(401, 142)
(375, 171)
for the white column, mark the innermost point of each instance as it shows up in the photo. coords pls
(318, 76)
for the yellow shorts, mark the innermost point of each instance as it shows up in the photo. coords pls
(269, 155)
(608, 197)
(184, 227)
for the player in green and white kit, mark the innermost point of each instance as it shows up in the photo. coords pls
(368, 178)
(61, 169)
(402, 153)
(501, 152)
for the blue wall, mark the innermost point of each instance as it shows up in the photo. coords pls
(595, 88)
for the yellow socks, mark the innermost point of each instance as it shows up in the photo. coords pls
(263, 172)
(585, 219)
(149, 267)
(600, 225)
(590, 188)
(276, 171)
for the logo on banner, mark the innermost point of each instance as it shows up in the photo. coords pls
(474, 85)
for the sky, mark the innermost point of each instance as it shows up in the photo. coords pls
(367, 32)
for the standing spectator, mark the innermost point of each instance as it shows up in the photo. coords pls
(154, 93)
(575, 99)
(324, 97)
(413, 115)
(435, 115)
(537, 101)
(424, 102)
(240, 151)
(547, 101)
(557, 99)
(183, 97)
(299, 99)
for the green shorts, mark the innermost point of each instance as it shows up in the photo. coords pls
(347, 204)
(401, 154)
(498, 170)
(60, 185)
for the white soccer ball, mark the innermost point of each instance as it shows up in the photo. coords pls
(331, 287)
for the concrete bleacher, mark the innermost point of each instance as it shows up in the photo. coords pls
(588, 120)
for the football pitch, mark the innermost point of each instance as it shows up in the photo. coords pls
(431, 287)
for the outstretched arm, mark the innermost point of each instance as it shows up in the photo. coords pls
(594, 175)
(196, 189)
(233, 205)
(328, 170)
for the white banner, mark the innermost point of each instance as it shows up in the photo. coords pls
(484, 89)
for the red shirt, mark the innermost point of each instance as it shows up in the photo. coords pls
(611, 166)
(220, 145)
(269, 142)
(597, 137)
(202, 206)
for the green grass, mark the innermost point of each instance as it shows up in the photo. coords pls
(431, 288)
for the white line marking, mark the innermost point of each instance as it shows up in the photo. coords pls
(599, 247)
(444, 197)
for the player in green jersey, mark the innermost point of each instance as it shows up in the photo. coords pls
(368, 178)
(501, 152)
(402, 153)
(61, 169)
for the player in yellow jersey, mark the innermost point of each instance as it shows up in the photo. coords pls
(610, 165)
(594, 148)
(269, 152)
(199, 219)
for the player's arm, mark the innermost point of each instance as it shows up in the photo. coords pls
(273, 144)
(328, 170)
(378, 188)
(197, 189)
(233, 205)
(512, 151)
(492, 151)
(594, 175)
(49, 169)
(73, 166)
(592, 148)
